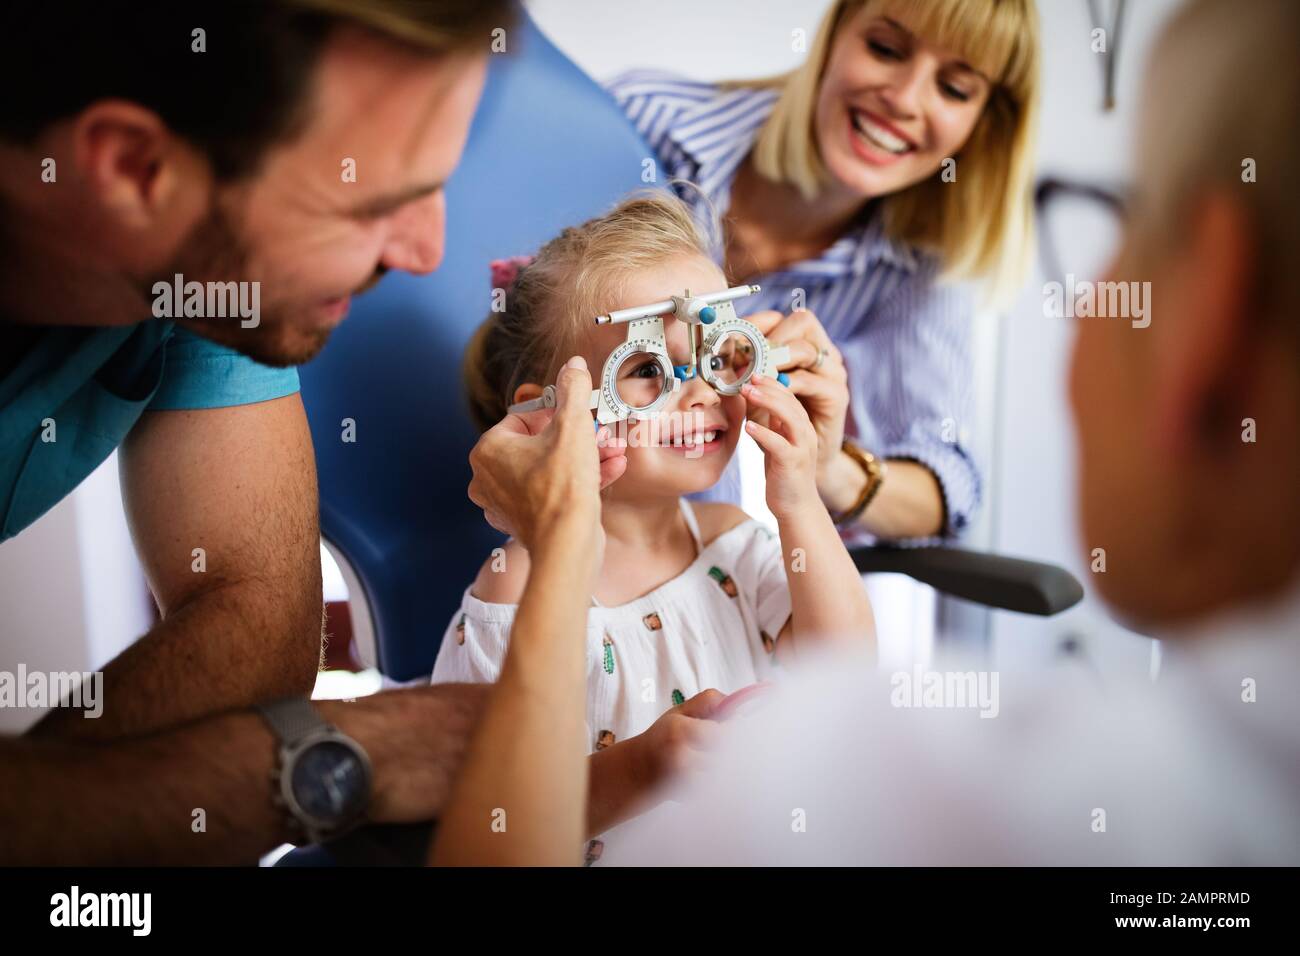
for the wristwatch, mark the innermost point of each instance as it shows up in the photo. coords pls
(322, 776)
(875, 470)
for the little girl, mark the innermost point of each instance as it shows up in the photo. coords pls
(690, 597)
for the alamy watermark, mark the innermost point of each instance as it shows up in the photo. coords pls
(81, 690)
(689, 431)
(1103, 300)
(133, 911)
(208, 300)
(976, 690)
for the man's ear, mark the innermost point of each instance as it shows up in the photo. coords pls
(527, 392)
(1203, 350)
(135, 165)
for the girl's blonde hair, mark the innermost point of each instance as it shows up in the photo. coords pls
(553, 300)
(981, 225)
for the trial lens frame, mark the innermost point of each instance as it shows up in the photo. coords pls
(709, 319)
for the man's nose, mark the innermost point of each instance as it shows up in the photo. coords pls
(418, 236)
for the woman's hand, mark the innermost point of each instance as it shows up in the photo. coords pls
(823, 388)
(533, 470)
(789, 442)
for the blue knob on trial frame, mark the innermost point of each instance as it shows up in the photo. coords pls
(708, 315)
(685, 373)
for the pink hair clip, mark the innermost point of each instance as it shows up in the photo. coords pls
(506, 271)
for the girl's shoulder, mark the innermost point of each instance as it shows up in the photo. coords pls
(716, 518)
(504, 574)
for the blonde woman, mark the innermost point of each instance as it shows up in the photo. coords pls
(868, 192)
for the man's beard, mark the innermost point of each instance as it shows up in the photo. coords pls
(214, 252)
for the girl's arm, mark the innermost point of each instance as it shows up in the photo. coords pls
(827, 597)
(927, 332)
(828, 601)
(625, 775)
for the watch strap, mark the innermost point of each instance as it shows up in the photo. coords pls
(874, 469)
(293, 718)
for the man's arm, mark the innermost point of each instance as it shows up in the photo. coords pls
(521, 799)
(135, 801)
(241, 618)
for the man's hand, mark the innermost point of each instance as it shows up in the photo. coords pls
(416, 739)
(529, 467)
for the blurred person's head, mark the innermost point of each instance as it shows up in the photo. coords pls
(1192, 514)
(299, 144)
(896, 93)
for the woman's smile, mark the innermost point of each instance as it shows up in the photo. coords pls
(880, 133)
(879, 136)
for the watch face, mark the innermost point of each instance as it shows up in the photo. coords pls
(329, 783)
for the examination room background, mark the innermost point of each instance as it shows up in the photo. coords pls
(72, 595)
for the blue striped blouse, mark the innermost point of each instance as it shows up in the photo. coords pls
(905, 338)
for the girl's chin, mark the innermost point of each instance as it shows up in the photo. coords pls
(671, 471)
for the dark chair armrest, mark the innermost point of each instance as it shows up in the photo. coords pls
(993, 580)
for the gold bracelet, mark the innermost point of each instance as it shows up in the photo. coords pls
(875, 470)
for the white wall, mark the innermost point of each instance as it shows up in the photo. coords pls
(72, 595)
(1034, 507)
(41, 604)
(711, 40)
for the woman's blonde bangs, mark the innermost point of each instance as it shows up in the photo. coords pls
(988, 34)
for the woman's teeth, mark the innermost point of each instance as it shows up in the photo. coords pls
(878, 136)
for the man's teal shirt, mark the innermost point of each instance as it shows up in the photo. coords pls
(71, 398)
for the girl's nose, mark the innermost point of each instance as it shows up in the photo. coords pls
(697, 393)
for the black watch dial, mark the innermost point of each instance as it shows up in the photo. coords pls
(329, 782)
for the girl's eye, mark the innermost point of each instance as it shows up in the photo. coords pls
(647, 370)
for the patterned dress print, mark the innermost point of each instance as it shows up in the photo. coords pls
(607, 647)
(724, 581)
